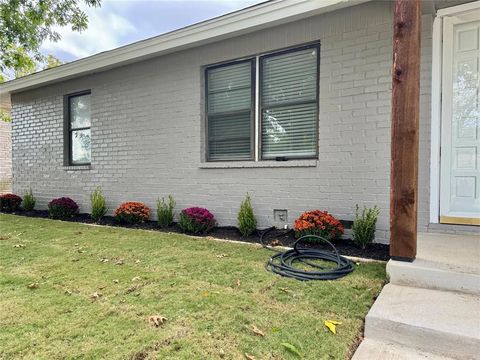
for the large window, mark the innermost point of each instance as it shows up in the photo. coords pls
(282, 124)
(77, 135)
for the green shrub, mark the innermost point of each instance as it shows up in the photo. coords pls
(29, 201)
(165, 211)
(247, 223)
(364, 226)
(99, 205)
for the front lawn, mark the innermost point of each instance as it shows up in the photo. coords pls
(70, 290)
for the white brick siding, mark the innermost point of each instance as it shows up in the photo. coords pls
(147, 128)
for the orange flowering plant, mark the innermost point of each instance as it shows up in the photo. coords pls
(132, 212)
(319, 223)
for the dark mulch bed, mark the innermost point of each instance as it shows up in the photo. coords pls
(276, 237)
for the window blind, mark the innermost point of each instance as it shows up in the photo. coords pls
(229, 112)
(289, 114)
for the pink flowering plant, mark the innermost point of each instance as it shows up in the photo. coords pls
(62, 208)
(196, 220)
(10, 202)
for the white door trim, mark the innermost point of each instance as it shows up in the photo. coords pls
(436, 103)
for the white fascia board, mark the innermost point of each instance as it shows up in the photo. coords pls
(241, 22)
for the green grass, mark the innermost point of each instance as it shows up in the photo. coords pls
(190, 281)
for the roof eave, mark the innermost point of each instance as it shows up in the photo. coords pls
(258, 17)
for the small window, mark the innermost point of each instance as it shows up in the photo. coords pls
(78, 137)
(289, 103)
(229, 109)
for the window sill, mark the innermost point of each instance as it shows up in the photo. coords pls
(77, 167)
(257, 164)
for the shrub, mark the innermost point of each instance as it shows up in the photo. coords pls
(247, 224)
(364, 225)
(62, 208)
(10, 202)
(99, 205)
(319, 223)
(29, 201)
(165, 211)
(132, 212)
(196, 220)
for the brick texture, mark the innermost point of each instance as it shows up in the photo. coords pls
(147, 128)
(5, 157)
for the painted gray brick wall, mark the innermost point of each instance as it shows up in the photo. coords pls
(5, 157)
(147, 128)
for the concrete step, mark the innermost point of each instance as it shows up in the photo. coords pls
(439, 322)
(377, 350)
(444, 262)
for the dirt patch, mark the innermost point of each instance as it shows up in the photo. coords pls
(277, 237)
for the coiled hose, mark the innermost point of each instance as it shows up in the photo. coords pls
(282, 263)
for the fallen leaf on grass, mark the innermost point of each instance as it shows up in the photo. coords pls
(205, 293)
(101, 287)
(33, 286)
(136, 278)
(156, 320)
(291, 348)
(332, 325)
(18, 246)
(5, 237)
(138, 261)
(115, 281)
(119, 262)
(257, 331)
(250, 357)
(68, 292)
(285, 290)
(220, 256)
(96, 295)
(104, 260)
(237, 282)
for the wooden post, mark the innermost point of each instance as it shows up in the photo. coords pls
(405, 120)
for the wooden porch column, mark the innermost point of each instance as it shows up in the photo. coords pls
(405, 120)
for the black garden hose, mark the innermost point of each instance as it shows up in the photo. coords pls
(282, 263)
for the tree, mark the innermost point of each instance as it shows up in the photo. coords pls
(26, 24)
(52, 62)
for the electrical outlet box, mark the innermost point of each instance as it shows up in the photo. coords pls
(280, 218)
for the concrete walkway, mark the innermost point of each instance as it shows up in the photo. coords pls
(431, 307)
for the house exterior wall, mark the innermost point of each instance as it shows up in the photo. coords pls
(5, 157)
(147, 128)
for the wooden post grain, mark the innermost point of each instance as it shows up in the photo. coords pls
(405, 124)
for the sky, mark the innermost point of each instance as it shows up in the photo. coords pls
(121, 22)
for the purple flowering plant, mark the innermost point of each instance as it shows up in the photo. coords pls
(62, 208)
(196, 220)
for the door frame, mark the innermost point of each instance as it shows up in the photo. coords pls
(436, 103)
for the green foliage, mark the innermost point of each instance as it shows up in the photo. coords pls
(192, 282)
(99, 205)
(364, 226)
(51, 62)
(26, 24)
(5, 117)
(29, 201)
(165, 211)
(247, 223)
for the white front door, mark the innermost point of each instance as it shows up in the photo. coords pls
(460, 142)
